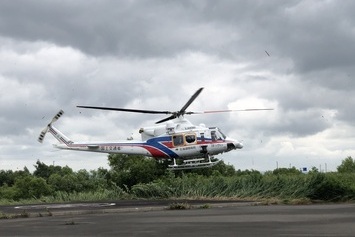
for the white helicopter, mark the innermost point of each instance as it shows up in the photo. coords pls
(177, 139)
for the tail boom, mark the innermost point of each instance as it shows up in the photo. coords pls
(59, 136)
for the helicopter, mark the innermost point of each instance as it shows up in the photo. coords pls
(174, 138)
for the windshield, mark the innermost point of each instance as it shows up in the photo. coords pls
(216, 134)
(221, 133)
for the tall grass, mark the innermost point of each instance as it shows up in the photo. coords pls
(62, 196)
(104, 194)
(254, 186)
(316, 186)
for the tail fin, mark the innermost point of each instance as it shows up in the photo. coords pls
(55, 132)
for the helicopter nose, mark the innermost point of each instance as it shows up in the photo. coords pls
(238, 145)
(234, 145)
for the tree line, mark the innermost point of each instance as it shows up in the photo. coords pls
(142, 177)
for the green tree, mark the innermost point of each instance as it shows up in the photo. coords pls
(7, 192)
(102, 178)
(220, 169)
(38, 187)
(30, 187)
(71, 183)
(123, 162)
(55, 181)
(7, 177)
(287, 171)
(67, 183)
(66, 170)
(44, 171)
(347, 165)
(313, 170)
(128, 170)
(247, 172)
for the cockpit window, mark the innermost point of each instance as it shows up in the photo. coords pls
(222, 134)
(217, 135)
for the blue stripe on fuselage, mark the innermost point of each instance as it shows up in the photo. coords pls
(157, 143)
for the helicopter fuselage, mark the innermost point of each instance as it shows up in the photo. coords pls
(183, 145)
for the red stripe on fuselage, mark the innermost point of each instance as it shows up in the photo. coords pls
(167, 144)
(156, 153)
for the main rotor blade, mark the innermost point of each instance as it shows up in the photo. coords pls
(225, 111)
(126, 110)
(167, 119)
(193, 97)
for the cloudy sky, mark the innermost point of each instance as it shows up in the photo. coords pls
(294, 56)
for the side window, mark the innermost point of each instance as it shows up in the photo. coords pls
(178, 140)
(190, 138)
(202, 136)
(213, 135)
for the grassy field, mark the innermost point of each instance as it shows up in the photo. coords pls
(269, 188)
(141, 178)
(317, 186)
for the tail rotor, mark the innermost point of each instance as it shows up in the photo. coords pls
(45, 130)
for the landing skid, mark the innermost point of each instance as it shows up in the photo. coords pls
(193, 164)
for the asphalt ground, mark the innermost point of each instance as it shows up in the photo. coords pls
(154, 219)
